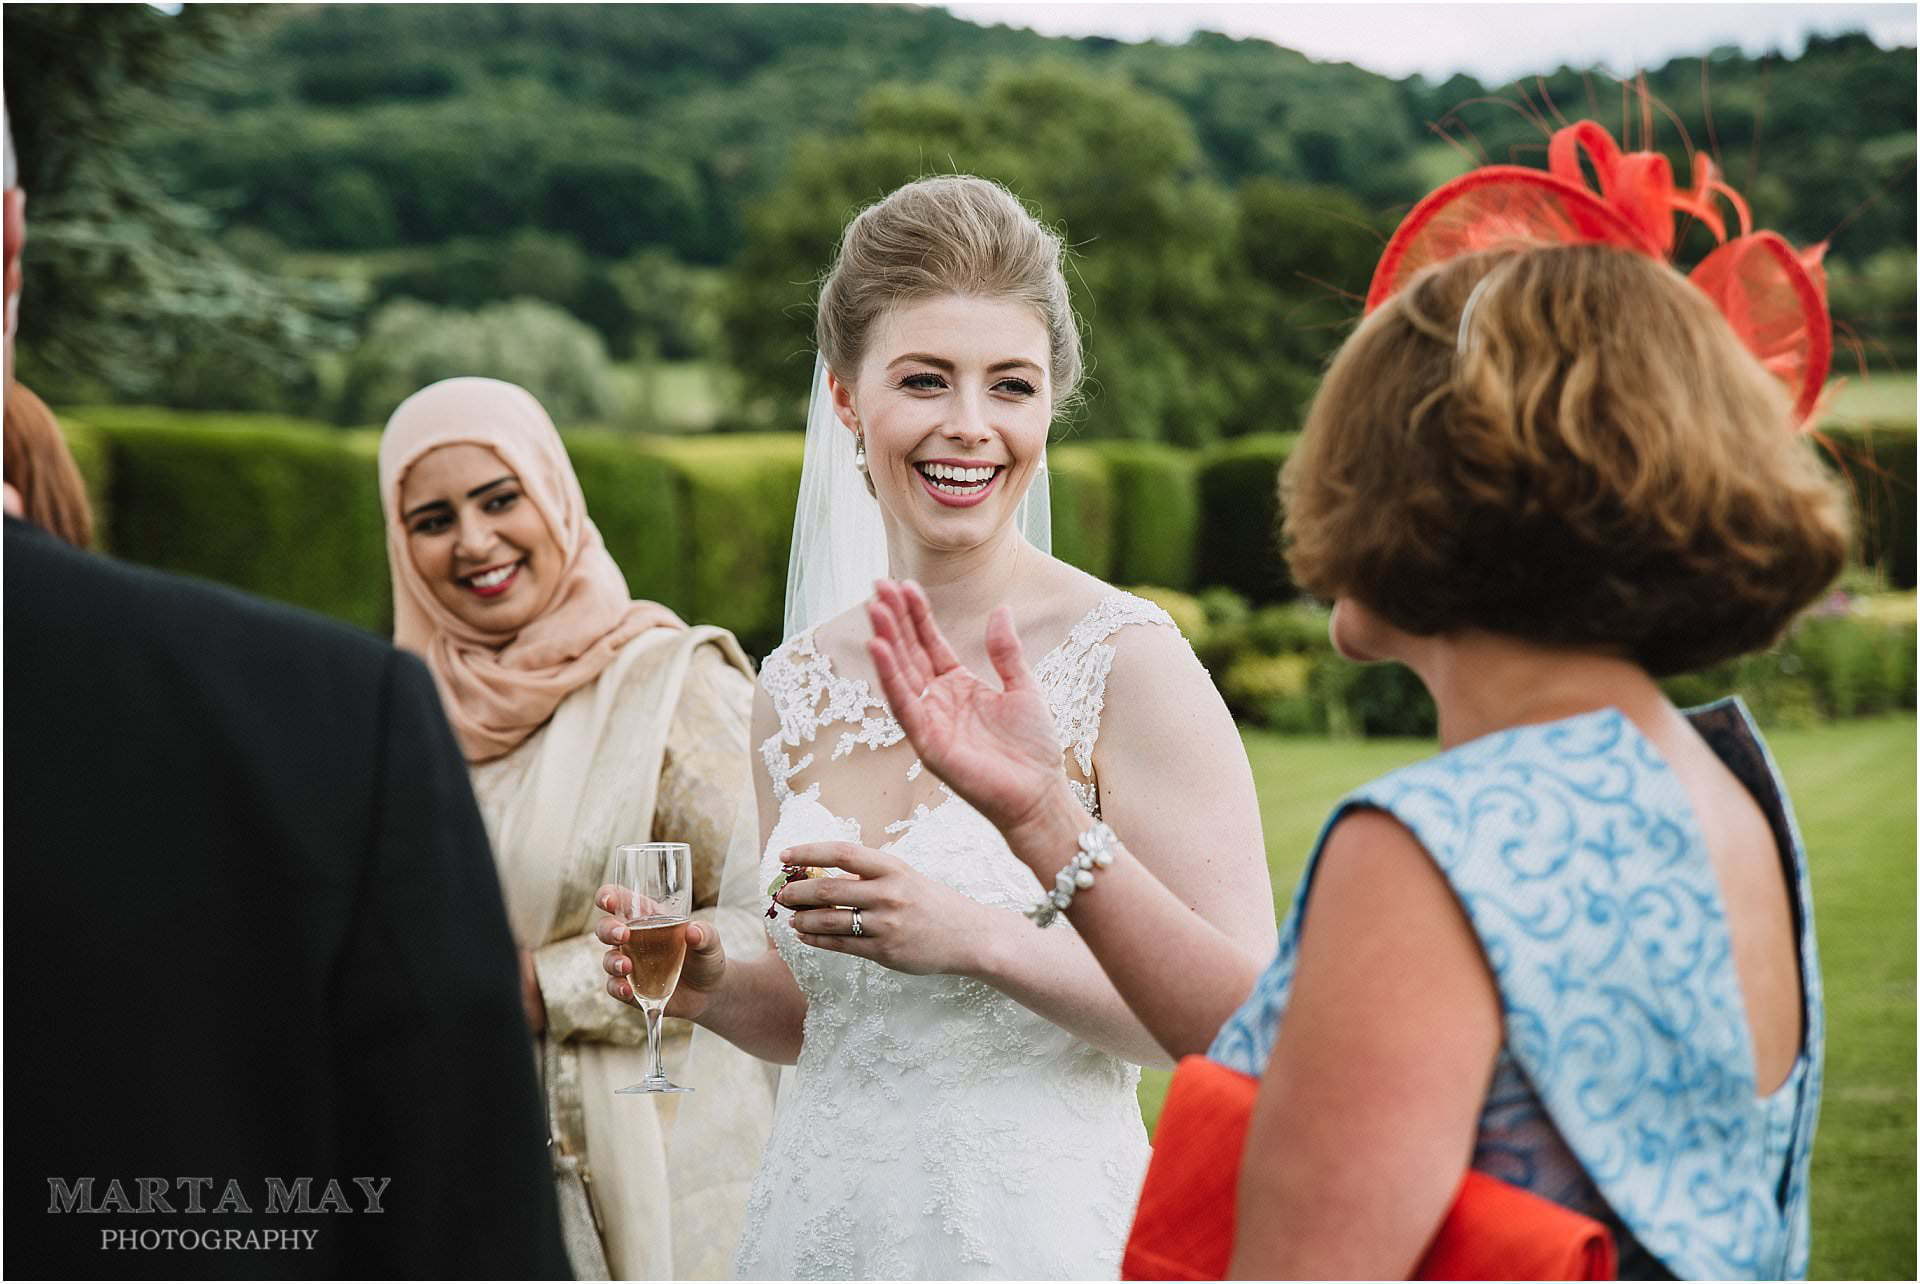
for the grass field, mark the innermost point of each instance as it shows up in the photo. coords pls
(1853, 789)
(1880, 398)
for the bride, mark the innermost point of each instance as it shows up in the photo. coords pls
(961, 1102)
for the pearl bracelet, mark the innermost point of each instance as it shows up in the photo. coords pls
(1096, 852)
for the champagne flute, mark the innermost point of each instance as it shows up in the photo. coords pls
(656, 885)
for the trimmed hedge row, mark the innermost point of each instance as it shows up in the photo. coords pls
(89, 448)
(1083, 508)
(636, 501)
(1276, 668)
(1156, 518)
(1877, 461)
(291, 510)
(1238, 545)
(738, 492)
(287, 508)
(289, 513)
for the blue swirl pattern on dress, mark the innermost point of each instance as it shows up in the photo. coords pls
(1625, 1086)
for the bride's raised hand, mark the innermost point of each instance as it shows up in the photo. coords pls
(994, 746)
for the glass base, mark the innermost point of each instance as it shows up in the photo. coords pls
(651, 1085)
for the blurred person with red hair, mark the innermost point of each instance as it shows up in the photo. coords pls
(41, 476)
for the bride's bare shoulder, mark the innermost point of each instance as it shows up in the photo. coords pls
(1056, 600)
(842, 639)
(1155, 673)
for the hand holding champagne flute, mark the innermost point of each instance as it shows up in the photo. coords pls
(651, 890)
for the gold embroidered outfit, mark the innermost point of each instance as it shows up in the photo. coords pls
(655, 748)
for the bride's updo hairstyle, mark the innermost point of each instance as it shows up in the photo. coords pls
(950, 234)
(1592, 459)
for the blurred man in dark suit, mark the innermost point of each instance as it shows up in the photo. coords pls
(263, 1010)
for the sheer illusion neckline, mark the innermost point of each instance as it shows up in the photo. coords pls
(807, 644)
(885, 730)
(810, 694)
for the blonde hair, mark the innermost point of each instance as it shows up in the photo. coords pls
(950, 234)
(1590, 458)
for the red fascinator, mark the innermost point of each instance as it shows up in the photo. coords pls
(1774, 296)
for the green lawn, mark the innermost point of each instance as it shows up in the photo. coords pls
(1885, 397)
(1853, 788)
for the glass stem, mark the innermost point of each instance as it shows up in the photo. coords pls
(654, 1012)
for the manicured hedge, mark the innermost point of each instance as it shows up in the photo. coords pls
(1239, 542)
(1083, 508)
(1156, 512)
(737, 494)
(287, 512)
(635, 498)
(288, 509)
(1851, 656)
(92, 457)
(1878, 462)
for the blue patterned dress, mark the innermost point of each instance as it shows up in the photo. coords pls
(1625, 1085)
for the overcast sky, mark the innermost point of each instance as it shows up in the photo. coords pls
(1493, 42)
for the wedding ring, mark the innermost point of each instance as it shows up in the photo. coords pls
(856, 924)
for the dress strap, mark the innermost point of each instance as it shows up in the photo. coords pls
(1074, 675)
(793, 677)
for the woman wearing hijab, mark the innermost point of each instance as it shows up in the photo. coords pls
(588, 720)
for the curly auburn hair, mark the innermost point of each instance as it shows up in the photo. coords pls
(1592, 460)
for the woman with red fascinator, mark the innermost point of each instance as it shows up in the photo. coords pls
(1547, 1004)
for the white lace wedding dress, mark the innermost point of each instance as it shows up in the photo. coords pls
(933, 1127)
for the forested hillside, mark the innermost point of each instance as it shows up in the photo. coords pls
(599, 196)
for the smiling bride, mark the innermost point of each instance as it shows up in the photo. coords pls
(962, 1098)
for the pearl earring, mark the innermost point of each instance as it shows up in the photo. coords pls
(860, 452)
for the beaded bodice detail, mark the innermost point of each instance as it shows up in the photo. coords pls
(933, 1127)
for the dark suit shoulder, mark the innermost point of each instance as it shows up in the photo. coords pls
(52, 587)
(132, 688)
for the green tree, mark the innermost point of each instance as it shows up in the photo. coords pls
(126, 284)
(673, 306)
(352, 211)
(1117, 171)
(1302, 259)
(409, 345)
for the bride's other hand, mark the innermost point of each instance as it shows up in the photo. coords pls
(700, 976)
(908, 922)
(995, 747)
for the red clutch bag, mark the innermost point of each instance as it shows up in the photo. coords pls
(1183, 1229)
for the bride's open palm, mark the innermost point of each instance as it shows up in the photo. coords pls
(996, 747)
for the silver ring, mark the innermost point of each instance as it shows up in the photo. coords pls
(856, 924)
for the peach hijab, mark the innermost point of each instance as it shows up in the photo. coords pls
(499, 688)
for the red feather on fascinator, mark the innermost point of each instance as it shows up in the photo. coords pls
(1773, 296)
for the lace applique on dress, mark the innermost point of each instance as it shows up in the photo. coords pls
(1074, 676)
(807, 695)
(933, 1128)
